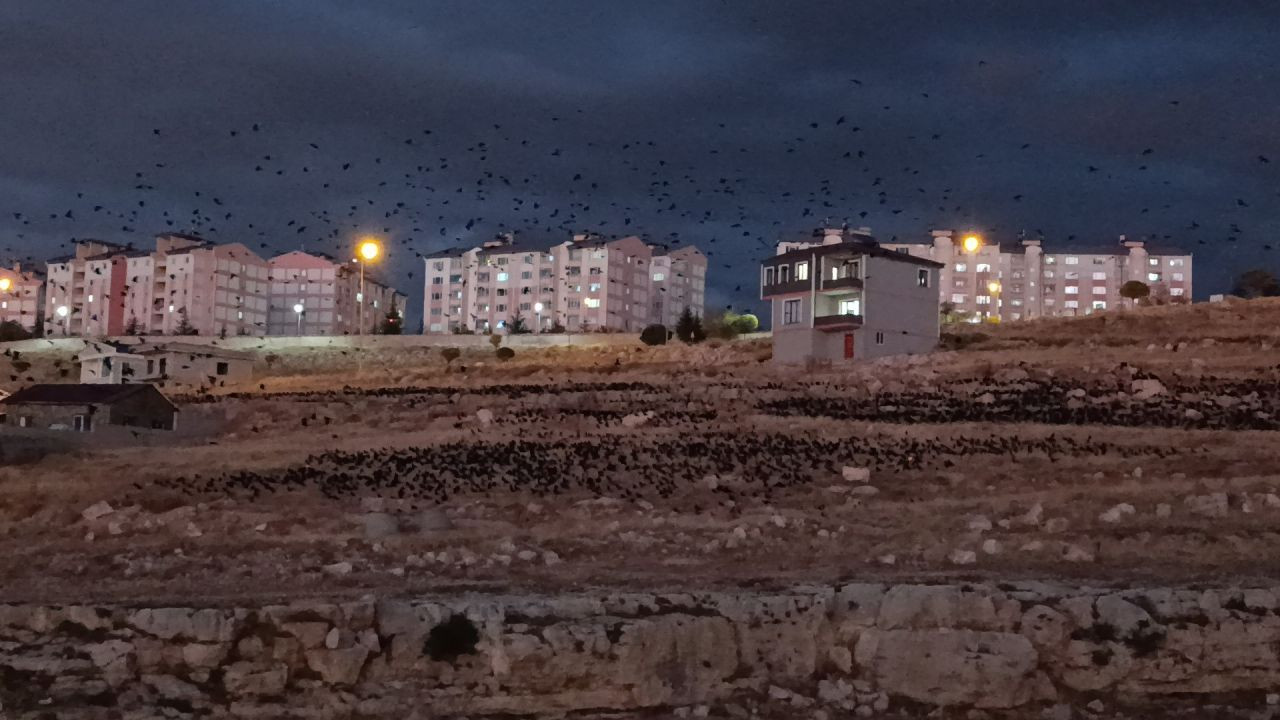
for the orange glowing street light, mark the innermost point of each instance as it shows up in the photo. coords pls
(5, 284)
(971, 243)
(368, 250)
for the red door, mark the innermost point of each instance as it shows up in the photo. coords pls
(848, 346)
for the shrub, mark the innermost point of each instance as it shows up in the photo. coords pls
(505, 353)
(654, 335)
(10, 330)
(746, 323)
(495, 340)
(450, 354)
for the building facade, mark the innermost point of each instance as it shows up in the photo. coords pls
(1023, 280)
(22, 298)
(165, 364)
(841, 297)
(583, 284)
(314, 294)
(82, 408)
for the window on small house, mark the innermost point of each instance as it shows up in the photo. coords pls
(880, 338)
(791, 312)
(24, 421)
(851, 307)
(802, 271)
(221, 368)
(784, 273)
(922, 278)
(80, 423)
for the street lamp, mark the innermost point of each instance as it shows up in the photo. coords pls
(62, 311)
(368, 250)
(971, 243)
(994, 288)
(537, 310)
(299, 309)
(5, 284)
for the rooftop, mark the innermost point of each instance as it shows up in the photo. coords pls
(67, 394)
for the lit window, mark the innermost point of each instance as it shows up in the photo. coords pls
(1048, 275)
(1176, 291)
(768, 275)
(1099, 305)
(592, 302)
(1050, 260)
(1153, 277)
(1071, 304)
(957, 298)
(791, 312)
(1073, 290)
(1015, 302)
(1099, 290)
(1175, 262)
(983, 267)
(1177, 276)
(802, 271)
(922, 278)
(1071, 260)
(1099, 276)
(962, 267)
(851, 307)
(359, 297)
(1153, 262)
(984, 299)
(502, 277)
(90, 297)
(594, 287)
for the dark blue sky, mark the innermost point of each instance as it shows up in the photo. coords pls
(723, 124)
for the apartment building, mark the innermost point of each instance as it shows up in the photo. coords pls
(1016, 281)
(840, 296)
(582, 284)
(315, 294)
(106, 289)
(679, 282)
(22, 298)
(84, 293)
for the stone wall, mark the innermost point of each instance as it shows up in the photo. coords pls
(860, 649)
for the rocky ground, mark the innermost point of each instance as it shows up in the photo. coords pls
(1123, 450)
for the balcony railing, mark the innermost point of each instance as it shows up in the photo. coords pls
(834, 322)
(842, 283)
(785, 288)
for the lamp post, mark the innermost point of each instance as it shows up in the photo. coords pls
(298, 310)
(368, 251)
(537, 311)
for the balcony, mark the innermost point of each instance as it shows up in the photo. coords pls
(833, 323)
(786, 288)
(841, 283)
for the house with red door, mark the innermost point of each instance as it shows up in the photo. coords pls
(839, 296)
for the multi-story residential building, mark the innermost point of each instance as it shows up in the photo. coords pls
(1016, 281)
(842, 297)
(22, 298)
(329, 296)
(583, 284)
(186, 284)
(85, 291)
(679, 282)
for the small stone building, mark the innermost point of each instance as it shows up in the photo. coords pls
(164, 364)
(82, 408)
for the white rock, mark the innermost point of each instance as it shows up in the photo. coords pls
(1116, 513)
(856, 474)
(1147, 388)
(991, 546)
(1056, 525)
(1075, 553)
(97, 510)
(1273, 698)
(979, 523)
(887, 559)
(864, 490)
(550, 558)
(485, 416)
(338, 569)
(963, 557)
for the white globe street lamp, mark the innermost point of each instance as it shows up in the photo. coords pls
(299, 309)
(537, 309)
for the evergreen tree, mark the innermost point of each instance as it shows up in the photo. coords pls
(689, 327)
(184, 324)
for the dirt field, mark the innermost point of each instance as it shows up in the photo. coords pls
(1118, 449)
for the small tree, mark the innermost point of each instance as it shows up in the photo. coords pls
(222, 333)
(184, 324)
(10, 330)
(689, 327)
(1135, 290)
(1256, 284)
(133, 328)
(722, 325)
(654, 335)
(450, 354)
(495, 340)
(505, 353)
(517, 325)
(746, 323)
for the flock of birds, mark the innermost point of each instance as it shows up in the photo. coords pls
(553, 175)
(754, 466)
(1252, 405)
